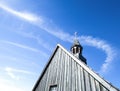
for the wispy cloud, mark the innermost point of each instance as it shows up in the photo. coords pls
(11, 72)
(42, 22)
(25, 47)
(9, 69)
(23, 15)
(39, 40)
(48, 26)
(101, 44)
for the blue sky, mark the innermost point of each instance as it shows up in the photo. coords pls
(30, 30)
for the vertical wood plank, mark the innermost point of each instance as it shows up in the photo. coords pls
(92, 82)
(73, 76)
(60, 76)
(82, 79)
(87, 81)
(97, 86)
(76, 79)
(59, 70)
(65, 72)
(79, 78)
(70, 74)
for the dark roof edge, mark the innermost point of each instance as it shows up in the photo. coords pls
(45, 68)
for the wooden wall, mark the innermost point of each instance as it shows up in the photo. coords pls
(68, 75)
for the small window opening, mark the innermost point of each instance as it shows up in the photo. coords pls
(53, 88)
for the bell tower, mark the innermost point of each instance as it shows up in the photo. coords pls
(76, 49)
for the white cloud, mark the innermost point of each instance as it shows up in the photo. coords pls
(9, 69)
(12, 72)
(37, 38)
(39, 21)
(23, 15)
(101, 44)
(25, 47)
(87, 40)
(51, 28)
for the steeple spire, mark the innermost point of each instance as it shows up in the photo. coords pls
(75, 34)
(76, 49)
(76, 41)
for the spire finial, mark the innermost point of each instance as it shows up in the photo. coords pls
(76, 41)
(75, 34)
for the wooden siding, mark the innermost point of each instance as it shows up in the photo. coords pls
(70, 75)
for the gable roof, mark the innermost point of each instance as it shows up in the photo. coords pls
(109, 86)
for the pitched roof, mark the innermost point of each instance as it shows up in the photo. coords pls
(107, 85)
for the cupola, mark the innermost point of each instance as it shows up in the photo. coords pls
(76, 50)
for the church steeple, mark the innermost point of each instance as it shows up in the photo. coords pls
(76, 49)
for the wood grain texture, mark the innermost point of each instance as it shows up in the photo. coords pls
(69, 75)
